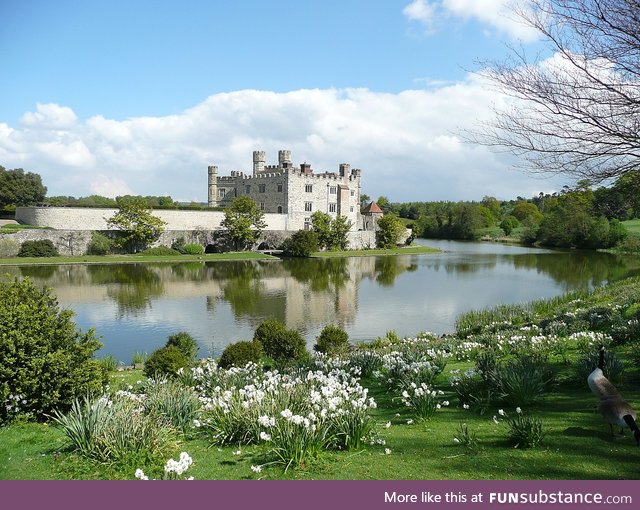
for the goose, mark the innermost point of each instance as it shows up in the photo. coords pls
(613, 407)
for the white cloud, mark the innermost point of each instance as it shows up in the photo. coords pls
(405, 143)
(498, 14)
(49, 116)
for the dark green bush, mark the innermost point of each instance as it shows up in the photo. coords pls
(279, 343)
(186, 343)
(100, 244)
(241, 353)
(160, 251)
(165, 362)
(193, 249)
(332, 340)
(301, 244)
(41, 248)
(178, 245)
(45, 362)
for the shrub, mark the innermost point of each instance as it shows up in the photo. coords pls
(301, 244)
(240, 353)
(160, 251)
(332, 340)
(522, 381)
(179, 245)
(279, 343)
(177, 403)
(193, 249)
(100, 244)
(108, 363)
(525, 431)
(186, 343)
(9, 248)
(44, 359)
(41, 248)
(508, 224)
(165, 362)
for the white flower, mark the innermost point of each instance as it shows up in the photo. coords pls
(495, 419)
(387, 451)
(518, 410)
(456, 440)
(197, 423)
(465, 406)
(387, 425)
(237, 452)
(264, 436)
(501, 412)
(409, 421)
(256, 469)
(140, 475)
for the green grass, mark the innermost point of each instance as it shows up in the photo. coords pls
(133, 259)
(409, 250)
(633, 226)
(10, 228)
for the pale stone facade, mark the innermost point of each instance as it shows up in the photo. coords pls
(293, 192)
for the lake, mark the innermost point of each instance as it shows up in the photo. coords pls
(135, 307)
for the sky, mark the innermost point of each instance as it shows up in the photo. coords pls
(139, 97)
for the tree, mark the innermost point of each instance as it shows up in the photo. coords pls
(578, 112)
(365, 200)
(243, 222)
(138, 227)
(321, 225)
(390, 228)
(301, 244)
(18, 188)
(340, 228)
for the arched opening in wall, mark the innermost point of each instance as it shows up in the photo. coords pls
(210, 248)
(279, 209)
(264, 245)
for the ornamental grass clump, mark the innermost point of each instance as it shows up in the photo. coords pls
(466, 438)
(422, 400)
(522, 381)
(525, 431)
(173, 401)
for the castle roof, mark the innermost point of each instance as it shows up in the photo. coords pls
(372, 208)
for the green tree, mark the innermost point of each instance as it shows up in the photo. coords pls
(365, 200)
(243, 222)
(301, 244)
(524, 209)
(18, 188)
(321, 225)
(508, 224)
(390, 228)
(138, 227)
(340, 228)
(44, 359)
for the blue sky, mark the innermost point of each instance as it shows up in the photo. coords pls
(116, 97)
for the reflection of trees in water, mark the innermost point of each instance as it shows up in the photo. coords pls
(580, 269)
(131, 286)
(389, 268)
(38, 272)
(319, 274)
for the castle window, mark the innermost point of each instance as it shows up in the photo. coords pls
(222, 192)
(333, 190)
(262, 188)
(307, 206)
(279, 209)
(247, 189)
(279, 188)
(308, 188)
(332, 207)
(262, 206)
(353, 193)
(307, 223)
(351, 208)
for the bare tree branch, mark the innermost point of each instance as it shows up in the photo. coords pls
(578, 112)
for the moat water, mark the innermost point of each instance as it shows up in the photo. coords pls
(135, 307)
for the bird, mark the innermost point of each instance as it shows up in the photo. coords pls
(615, 409)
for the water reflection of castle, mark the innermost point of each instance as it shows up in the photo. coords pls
(302, 293)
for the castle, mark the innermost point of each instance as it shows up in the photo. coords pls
(294, 192)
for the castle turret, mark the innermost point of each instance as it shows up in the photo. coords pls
(213, 187)
(284, 159)
(344, 170)
(259, 161)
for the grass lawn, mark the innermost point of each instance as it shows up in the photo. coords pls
(633, 226)
(408, 250)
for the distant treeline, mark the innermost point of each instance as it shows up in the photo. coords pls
(155, 202)
(578, 217)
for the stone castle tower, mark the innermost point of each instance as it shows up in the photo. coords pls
(295, 192)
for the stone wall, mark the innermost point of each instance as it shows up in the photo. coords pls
(75, 242)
